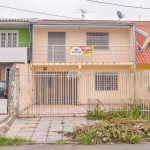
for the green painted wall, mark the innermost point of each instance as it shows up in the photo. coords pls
(24, 36)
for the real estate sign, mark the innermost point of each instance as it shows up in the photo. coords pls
(81, 50)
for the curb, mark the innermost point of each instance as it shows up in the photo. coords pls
(5, 125)
(48, 143)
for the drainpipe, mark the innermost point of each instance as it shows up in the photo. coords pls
(31, 36)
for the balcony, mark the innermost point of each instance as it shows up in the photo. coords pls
(101, 54)
(13, 54)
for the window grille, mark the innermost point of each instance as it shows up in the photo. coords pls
(106, 81)
(99, 40)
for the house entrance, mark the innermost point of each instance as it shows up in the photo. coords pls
(56, 88)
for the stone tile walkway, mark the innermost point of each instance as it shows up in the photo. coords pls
(45, 129)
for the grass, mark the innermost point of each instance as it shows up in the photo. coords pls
(61, 142)
(129, 124)
(4, 141)
(128, 111)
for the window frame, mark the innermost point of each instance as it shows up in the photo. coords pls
(6, 40)
(103, 78)
(96, 47)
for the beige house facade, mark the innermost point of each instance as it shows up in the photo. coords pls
(60, 82)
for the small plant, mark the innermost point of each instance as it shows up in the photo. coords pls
(132, 111)
(60, 132)
(86, 138)
(61, 142)
(12, 141)
(118, 130)
(62, 122)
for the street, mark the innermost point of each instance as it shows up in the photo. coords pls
(79, 147)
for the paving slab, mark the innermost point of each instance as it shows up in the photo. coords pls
(55, 133)
(33, 119)
(42, 126)
(40, 133)
(41, 129)
(44, 122)
(45, 118)
(56, 125)
(11, 134)
(20, 121)
(27, 129)
(20, 134)
(17, 126)
(57, 118)
(39, 138)
(54, 138)
(57, 128)
(30, 126)
(67, 129)
(25, 137)
(15, 129)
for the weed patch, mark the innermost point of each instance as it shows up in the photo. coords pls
(60, 142)
(118, 130)
(12, 141)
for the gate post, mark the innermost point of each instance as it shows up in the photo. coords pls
(13, 103)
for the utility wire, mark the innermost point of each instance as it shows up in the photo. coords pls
(36, 12)
(118, 4)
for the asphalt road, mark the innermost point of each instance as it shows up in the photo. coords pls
(79, 147)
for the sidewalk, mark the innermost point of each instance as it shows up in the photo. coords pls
(45, 129)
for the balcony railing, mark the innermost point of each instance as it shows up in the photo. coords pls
(101, 53)
(19, 53)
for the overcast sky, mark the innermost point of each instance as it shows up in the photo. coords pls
(70, 8)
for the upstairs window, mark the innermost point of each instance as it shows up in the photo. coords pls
(8, 38)
(107, 81)
(99, 40)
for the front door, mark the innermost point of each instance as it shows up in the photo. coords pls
(56, 47)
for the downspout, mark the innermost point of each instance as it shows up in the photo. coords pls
(30, 31)
(134, 66)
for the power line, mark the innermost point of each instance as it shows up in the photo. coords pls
(118, 4)
(36, 12)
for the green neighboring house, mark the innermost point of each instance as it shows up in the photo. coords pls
(14, 44)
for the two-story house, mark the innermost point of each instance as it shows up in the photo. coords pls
(14, 44)
(74, 64)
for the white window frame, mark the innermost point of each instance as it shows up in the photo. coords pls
(104, 77)
(9, 31)
(99, 46)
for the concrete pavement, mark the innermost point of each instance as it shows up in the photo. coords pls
(45, 129)
(80, 147)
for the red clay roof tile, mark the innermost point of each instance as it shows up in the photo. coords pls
(142, 57)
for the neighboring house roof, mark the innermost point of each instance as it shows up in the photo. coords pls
(17, 19)
(13, 20)
(142, 40)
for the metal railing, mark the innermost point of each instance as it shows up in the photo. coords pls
(102, 53)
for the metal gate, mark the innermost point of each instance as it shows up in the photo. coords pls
(76, 92)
